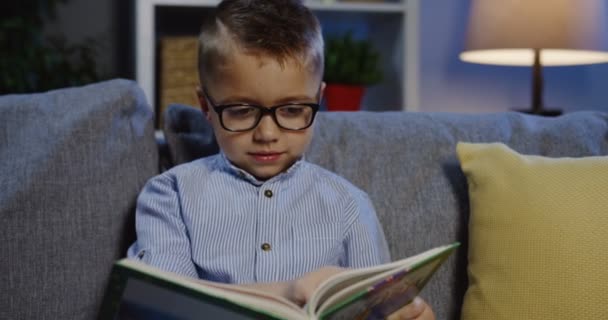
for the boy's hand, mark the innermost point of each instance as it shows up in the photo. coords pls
(298, 290)
(303, 287)
(417, 309)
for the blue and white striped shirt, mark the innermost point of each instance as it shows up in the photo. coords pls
(212, 220)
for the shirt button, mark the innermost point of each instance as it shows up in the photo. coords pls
(268, 193)
(266, 247)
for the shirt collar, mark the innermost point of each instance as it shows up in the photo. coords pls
(244, 175)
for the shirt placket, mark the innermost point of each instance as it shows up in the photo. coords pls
(268, 246)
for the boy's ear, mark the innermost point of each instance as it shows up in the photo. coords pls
(203, 102)
(322, 91)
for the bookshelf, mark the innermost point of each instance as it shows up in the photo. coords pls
(391, 25)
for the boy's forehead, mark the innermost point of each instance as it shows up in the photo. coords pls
(247, 67)
(262, 59)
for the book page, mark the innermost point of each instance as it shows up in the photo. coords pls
(351, 277)
(380, 291)
(338, 283)
(381, 299)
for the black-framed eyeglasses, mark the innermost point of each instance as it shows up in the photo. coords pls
(244, 117)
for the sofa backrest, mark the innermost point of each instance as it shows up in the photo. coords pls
(407, 163)
(73, 162)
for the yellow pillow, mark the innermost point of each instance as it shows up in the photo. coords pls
(538, 235)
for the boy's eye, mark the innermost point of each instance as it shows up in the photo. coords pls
(240, 111)
(292, 110)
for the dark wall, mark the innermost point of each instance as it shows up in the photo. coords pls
(110, 23)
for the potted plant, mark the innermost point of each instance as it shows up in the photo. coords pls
(350, 66)
(33, 62)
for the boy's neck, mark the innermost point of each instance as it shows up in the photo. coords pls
(244, 174)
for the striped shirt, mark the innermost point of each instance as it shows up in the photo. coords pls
(212, 220)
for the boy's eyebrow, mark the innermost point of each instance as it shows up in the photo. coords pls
(287, 99)
(296, 98)
(236, 99)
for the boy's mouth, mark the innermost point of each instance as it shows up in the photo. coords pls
(265, 156)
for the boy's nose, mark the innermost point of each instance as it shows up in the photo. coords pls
(267, 130)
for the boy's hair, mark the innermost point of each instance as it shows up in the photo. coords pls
(281, 29)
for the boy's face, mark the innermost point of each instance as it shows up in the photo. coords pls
(267, 149)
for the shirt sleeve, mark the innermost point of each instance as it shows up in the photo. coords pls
(364, 241)
(162, 237)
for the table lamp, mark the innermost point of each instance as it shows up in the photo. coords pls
(537, 33)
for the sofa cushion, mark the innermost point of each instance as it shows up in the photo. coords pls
(73, 162)
(188, 134)
(537, 235)
(407, 163)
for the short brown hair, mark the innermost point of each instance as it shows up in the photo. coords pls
(281, 29)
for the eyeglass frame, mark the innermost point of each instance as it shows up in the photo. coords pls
(263, 111)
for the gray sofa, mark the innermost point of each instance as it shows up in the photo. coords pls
(74, 160)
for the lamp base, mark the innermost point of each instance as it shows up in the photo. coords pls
(542, 112)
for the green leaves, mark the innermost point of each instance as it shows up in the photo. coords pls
(351, 61)
(32, 63)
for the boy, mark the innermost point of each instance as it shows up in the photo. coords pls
(257, 214)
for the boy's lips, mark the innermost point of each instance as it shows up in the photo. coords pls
(265, 156)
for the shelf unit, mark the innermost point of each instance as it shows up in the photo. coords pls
(392, 27)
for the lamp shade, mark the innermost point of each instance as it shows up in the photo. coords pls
(565, 32)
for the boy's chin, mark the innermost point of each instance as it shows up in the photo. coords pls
(266, 173)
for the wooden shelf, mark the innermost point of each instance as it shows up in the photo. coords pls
(379, 7)
(371, 6)
(184, 3)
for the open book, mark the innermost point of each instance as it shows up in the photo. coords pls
(139, 291)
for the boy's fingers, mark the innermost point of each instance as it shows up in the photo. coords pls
(410, 311)
(304, 287)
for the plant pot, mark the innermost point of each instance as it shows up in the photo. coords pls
(343, 97)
